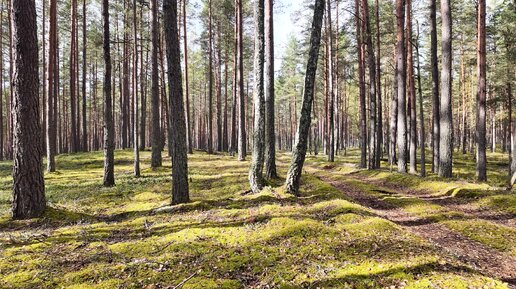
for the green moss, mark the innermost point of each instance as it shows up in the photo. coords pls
(129, 236)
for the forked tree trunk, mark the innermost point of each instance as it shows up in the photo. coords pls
(300, 147)
(28, 183)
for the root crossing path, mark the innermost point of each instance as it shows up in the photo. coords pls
(479, 257)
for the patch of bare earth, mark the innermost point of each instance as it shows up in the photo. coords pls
(479, 257)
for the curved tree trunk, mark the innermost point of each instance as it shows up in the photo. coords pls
(300, 147)
(28, 185)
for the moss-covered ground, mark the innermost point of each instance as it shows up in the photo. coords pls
(129, 237)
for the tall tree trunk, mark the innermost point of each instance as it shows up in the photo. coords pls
(300, 147)
(233, 143)
(481, 92)
(270, 132)
(421, 115)
(109, 146)
(156, 159)
(393, 126)
(74, 138)
(210, 80)
(445, 122)
(28, 183)
(435, 88)
(401, 83)
(373, 150)
(379, 141)
(242, 136)
(84, 66)
(135, 95)
(362, 87)
(180, 191)
(52, 87)
(411, 92)
(2, 9)
(187, 89)
(331, 86)
(256, 169)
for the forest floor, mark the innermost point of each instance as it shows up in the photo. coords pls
(350, 228)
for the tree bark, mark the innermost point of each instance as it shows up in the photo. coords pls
(373, 122)
(74, 138)
(52, 87)
(401, 84)
(445, 121)
(84, 66)
(109, 147)
(331, 86)
(362, 87)
(242, 136)
(156, 158)
(136, 110)
(435, 88)
(180, 191)
(270, 132)
(300, 147)
(481, 92)
(28, 184)
(256, 169)
(210, 80)
(411, 92)
(421, 114)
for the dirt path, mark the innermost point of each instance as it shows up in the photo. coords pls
(479, 257)
(449, 202)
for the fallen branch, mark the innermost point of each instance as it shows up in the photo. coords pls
(180, 285)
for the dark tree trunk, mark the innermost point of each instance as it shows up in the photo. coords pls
(28, 184)
(481, 92)
(233, 143)
(136, 110)
(401, 84)
(52, 87)
(109, 146)
(270, 132)
(156, 159)
(372, 89)
(435, 88)
(180, 192)
(74, 138)
(362, 87)
(379, 141)
(84, 66)
(210, 81)
(445, 121)
(300, 147)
